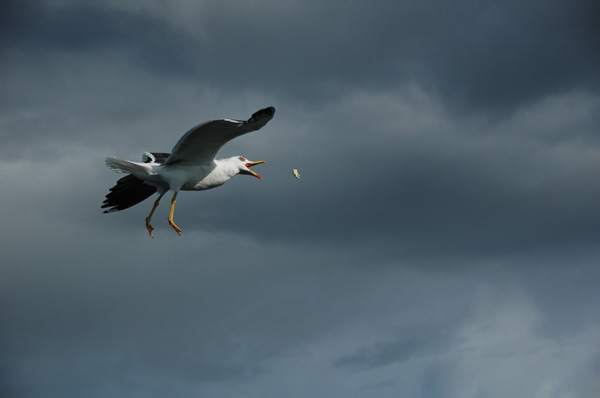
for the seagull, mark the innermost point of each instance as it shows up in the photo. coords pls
(191, 166)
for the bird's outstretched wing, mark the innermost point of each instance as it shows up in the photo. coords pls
(201, 144)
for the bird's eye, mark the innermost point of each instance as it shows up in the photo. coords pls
(242, 159)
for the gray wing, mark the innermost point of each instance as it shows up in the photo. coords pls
(201, 144)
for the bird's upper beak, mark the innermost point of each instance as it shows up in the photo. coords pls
(250, 164)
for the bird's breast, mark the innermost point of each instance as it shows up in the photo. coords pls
(207, 180)
(186, 177)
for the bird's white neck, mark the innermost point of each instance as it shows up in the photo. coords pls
(226, 168)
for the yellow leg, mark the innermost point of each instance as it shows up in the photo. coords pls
(148, 226)
(171, 223)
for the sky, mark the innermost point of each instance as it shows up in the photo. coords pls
(443, 239)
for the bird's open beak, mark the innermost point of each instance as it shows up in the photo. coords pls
(250, 164)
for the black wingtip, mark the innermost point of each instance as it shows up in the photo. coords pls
(263, 114)
(128, 192)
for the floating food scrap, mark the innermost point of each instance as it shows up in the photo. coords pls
(296, 174)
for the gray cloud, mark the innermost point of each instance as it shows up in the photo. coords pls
(383, 354)
(442, 240)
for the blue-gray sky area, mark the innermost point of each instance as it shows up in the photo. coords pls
(443, 239)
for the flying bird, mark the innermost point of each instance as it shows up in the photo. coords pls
(191, 166)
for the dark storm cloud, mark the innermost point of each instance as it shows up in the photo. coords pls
(88, 29)
(485, 55)
(479, 55)
(510, 53)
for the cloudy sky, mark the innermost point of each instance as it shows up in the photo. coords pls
(443, 240)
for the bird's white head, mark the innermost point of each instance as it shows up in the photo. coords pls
(245, 164)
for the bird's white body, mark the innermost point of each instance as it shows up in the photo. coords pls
(197, 178)
(181, 177)
(201, 177)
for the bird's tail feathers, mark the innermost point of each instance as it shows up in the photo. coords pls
(127, 166)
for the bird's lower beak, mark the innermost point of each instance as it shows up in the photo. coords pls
(250, 164)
